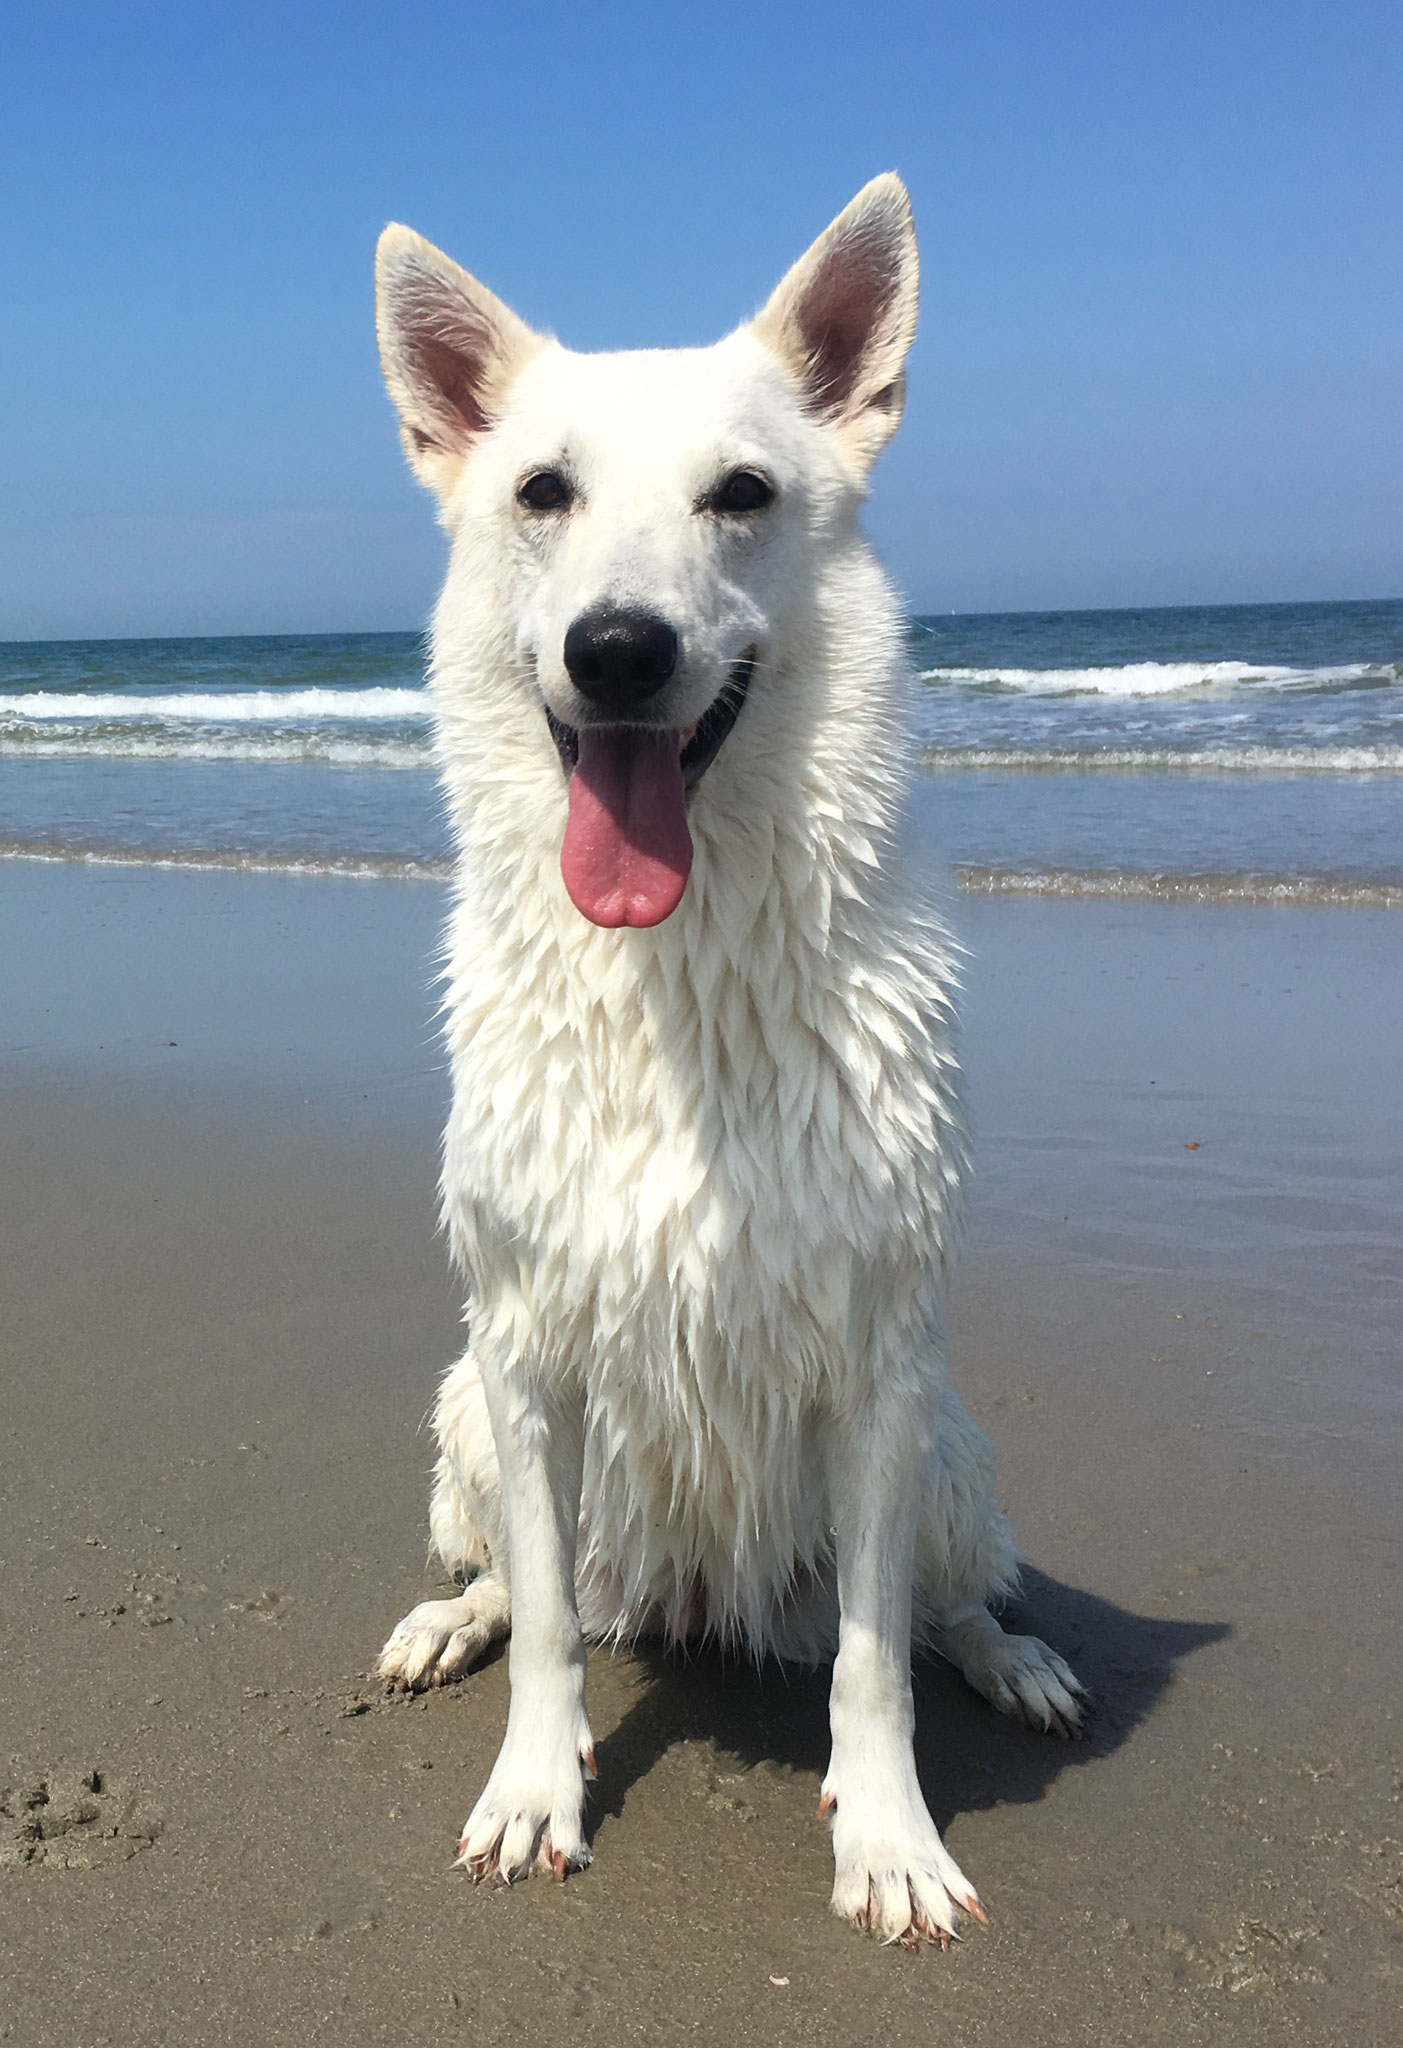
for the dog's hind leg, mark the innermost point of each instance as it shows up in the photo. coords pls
(965, 1559)
(441, 1639)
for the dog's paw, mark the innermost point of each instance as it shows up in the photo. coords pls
(441, 1639)
(892, 1873)
(531, 1812)
(1020, 1676)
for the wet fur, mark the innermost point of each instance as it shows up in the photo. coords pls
(702, 1179)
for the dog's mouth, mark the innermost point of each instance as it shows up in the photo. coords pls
(628, 848)
(699, 744)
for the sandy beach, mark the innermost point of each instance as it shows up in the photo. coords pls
(224, 1310)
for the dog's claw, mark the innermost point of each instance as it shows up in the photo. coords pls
(477, 1866)
(828, 1803)
(929, 1920)
(587, 1759)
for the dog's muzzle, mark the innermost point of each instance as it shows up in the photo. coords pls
(707, 737)
(627, 850)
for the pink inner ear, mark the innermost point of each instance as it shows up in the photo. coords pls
(455, 373)
(839, 316)
(449, 348)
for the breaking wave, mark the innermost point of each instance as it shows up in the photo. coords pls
(381, 727)
(217, 707)
(1169, 678)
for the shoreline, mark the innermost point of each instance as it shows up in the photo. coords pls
(1249, 888)
(226, 1310)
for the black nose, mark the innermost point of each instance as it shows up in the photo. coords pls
(618, 656)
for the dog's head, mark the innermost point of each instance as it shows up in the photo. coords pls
(655, 516)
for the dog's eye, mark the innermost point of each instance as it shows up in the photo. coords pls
(546, 491)
(744, 490)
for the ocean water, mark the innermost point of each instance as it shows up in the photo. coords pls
(1248, 753)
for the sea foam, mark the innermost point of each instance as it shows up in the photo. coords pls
(218, 707)
(154, 743)
(1135, 885)
(1252, 759)
(1167, 678)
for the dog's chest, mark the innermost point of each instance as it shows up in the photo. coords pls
(661, 1147)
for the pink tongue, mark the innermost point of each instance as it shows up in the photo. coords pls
(627, 850)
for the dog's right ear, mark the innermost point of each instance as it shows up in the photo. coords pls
(449, 349)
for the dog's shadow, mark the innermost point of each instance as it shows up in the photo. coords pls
(968, 1757)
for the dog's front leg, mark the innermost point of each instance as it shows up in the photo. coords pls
(532, 1808)
(892, 1870)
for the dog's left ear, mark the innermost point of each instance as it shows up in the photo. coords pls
(844, 316)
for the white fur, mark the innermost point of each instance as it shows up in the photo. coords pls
(702, 1178)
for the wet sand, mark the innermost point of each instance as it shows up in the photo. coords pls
(224, 1310)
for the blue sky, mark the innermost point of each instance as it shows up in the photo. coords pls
(1159, 359)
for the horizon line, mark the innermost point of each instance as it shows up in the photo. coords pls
(421, 632)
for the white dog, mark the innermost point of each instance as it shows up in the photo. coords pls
(704, 1153)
